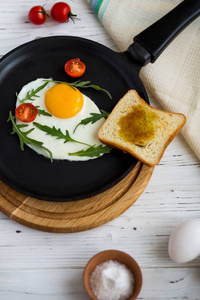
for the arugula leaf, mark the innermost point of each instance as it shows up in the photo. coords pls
(53, 131)
(82, 84)
(23, 136)
(95, 117)
(92, 151)
(43, 112)
(32, 93)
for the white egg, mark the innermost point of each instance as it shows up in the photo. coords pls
(184, 242)
(84, 133)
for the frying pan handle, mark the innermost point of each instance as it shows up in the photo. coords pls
(150, 43)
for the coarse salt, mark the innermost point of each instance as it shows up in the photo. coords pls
(112, 280)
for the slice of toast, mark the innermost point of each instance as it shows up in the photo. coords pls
(139, 129)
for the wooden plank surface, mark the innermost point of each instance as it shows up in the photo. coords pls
(41, 265)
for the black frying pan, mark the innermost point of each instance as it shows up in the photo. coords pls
(31, 173)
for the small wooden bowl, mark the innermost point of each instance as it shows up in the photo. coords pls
(120, 257)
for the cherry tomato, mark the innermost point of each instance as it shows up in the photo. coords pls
(37, 15)
(26, 112)
(75, 67)
(61, 12)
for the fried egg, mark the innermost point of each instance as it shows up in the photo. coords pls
(67, 107)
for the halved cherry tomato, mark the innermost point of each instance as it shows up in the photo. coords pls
(26, 112)
(75, 67)
(61, 12)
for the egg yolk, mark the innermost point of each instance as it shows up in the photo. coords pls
(63, 101)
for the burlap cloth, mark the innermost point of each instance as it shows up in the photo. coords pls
(174, 79)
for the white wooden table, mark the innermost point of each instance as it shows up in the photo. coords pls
(40, 265)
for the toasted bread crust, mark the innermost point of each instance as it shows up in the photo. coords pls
(167, 125)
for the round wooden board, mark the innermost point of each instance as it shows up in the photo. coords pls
(77, 215)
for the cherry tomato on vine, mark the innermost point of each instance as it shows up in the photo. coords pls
(75, 67)
(37, 15)
(61, 12)
(26, 112)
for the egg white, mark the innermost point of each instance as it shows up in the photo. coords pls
(86, 134)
